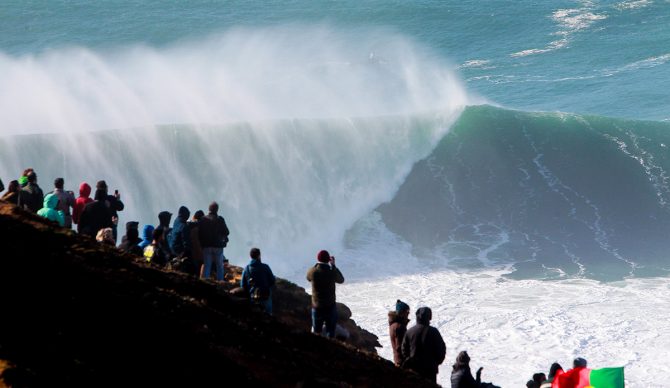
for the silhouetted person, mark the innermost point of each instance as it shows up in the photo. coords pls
(12, 194)
(258, 280)
(154, 253)
(213, 238)
(164, 218)
(96, 215)
(461, 376)
(65, 201)
(398, 320)
(180, 236)
(2, 186)
(323, 276)
(113, 203)
(131, 240)
(555, 370)
(538, 379)
(31, 197)
(81, 201)
(423, 349)
(196, 247)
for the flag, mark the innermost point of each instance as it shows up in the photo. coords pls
(590, 378)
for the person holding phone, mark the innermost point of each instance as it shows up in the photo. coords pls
(323, 276)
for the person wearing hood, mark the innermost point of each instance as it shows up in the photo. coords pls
(461, 376)
(113, 203)
(180, 237)
(398, 320)
(96, 216)
(49, 210)
(147, 236)
(65, 200)
(258, 280)
(81, 202)
(31, 197)
(12, 194)
(131, 240)
(164, 218)
(423, 348)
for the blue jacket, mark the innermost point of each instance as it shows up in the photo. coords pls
(147, 236)
(180, 237)
(259, 274)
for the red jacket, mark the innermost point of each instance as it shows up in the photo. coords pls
(80, 203)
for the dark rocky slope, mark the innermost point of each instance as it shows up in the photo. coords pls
(74, 313)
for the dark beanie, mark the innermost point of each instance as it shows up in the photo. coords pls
(401, 306)
(323, 256)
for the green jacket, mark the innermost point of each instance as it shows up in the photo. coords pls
(323, 278)
(49, 210)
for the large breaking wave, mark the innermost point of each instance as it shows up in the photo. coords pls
(553, 194)
(296, 131)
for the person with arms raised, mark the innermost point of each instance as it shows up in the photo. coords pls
(323, 276)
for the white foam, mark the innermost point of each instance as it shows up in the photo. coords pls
(516, 328)
(636, 4)
(513, 328)
(569, 22)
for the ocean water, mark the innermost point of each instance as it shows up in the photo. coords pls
(505, 163)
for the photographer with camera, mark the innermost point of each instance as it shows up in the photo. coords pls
(323, 276)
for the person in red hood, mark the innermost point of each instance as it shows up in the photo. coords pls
(80, 203)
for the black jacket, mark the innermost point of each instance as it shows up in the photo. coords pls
(462, 378)
(131, 247)
(213, 231)
(95, 216)
(31, 197)
(424, 344)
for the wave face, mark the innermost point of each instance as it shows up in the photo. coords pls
(297, 133)
(553, 194)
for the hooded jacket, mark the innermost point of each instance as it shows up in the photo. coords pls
(397, 330)
(424, 344)
(180, 237)
(96, 216)
(82, 201)
(49, 210)
(147, 236)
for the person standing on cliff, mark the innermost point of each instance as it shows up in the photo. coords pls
(423, 348)
(66, 201)
(213, 237)
(398, 321)
(323, 276)
(113, 203)
(258, 280)
(31, 197)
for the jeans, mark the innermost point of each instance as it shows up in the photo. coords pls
(212, 255)
(327, 316)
